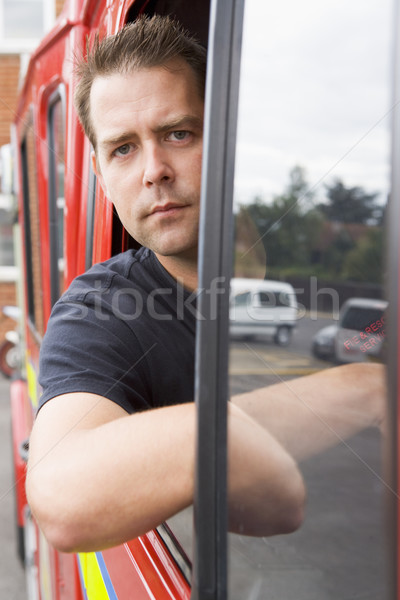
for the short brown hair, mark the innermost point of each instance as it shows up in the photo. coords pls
(145, 43)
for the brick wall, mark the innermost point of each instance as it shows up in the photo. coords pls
(7, 296)
(9, 79)
(9, 73)
(59, 6)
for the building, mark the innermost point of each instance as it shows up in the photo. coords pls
(22, 25)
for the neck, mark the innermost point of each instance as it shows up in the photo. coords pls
(183, 270)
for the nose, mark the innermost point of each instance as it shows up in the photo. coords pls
(157, 168)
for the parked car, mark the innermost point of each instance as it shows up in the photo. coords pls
(323, 344)
(358, 335)
(263, 307)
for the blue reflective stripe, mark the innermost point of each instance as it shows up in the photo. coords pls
(106, 577)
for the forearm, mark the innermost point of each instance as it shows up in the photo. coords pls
(115, 481)
(98, 484)
(312, 413)
(266, 490)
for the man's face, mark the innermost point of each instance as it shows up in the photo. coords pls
(149, 132)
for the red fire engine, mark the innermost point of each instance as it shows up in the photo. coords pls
(66, 225)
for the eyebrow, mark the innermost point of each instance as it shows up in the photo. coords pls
(179, 123)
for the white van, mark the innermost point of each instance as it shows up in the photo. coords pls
(263, 307)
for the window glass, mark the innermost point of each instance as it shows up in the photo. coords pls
(240, 299)
(180, 543)
(6, 237)
(56, 195)
(90, 210)
(32, 236)
(360, 318)
(272, 299)
(311, 188)
(7, 207)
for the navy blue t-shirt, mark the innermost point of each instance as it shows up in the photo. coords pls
(125, 330)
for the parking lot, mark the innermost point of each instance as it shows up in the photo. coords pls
(340, 550)
(12, 578)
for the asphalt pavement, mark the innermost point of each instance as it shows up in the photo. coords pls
(12, 576)
(340, 551)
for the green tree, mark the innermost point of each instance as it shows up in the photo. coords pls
(333, 258)
(365, 261)
(289, 226)
(350, 205)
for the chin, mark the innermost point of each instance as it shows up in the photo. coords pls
(186, 248)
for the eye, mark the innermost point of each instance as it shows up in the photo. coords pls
(123, 150)
(179, 135)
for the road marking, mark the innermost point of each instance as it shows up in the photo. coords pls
(281, 362)
(276, 371)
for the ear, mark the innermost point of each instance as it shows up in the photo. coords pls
(97, 172)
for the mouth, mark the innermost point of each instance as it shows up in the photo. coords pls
(170, 208)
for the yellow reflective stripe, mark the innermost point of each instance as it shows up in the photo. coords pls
(45, 569)
(92, 577)
(32, 383)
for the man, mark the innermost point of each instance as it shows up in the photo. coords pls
(112, 449)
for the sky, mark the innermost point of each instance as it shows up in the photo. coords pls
(315, 92)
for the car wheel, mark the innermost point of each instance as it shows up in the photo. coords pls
(283, 336)
(7, 358)
(315, 351)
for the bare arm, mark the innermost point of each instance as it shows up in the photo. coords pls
(312, 413)
(98, 477)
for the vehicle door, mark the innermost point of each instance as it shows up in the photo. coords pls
(310, 207)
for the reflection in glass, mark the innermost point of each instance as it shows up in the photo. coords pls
(56, 196)
(32, 228)
(310, 195)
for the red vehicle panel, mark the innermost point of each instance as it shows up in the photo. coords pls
(142, 568)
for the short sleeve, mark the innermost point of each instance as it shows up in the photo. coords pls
(89, 350)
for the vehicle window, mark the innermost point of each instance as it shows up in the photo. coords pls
(311, 189)
(195, 20)
(360, 318)
(31, 223)
(177, 533)
(7, 218)
(90, 211)
(242, 299)
(56, 136)
(274, 299)
(7, 208)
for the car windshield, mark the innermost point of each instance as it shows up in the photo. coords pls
(241, 299)
(272, 299)
(359, 318)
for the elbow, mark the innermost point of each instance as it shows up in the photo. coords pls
(290, 509)
(60, 528)
(60, 532)
(292, 517)
(294, 501)
(61, 537)
(270, 512)
(294, 521)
